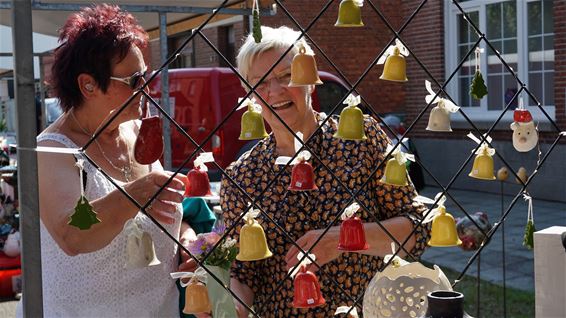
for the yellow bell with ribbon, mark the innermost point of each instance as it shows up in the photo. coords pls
(439, 119)
(396, 168)
(350, 14)
(253, 244)
(196, 293)
(351, 122)
(483, 167)
(252, 121)
(303, 69)
(395, 68)
(140, 250)
(444, 232)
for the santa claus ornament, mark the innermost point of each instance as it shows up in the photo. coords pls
(525, 135)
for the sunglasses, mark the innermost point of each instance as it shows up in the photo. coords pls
(134, 80)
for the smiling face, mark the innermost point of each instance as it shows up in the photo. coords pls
(292, 104)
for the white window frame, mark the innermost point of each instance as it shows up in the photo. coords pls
(482, 117)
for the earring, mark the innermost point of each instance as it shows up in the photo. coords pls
(89, 87)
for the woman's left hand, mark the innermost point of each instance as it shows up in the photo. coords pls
(325, 250)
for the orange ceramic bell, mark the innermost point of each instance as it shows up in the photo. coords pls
(350, 14)
(196, 299)
(307, 290)
(252, 124)
(197, 183)
(303, 69)
(302, 177)
(444, 233)
(253, 245)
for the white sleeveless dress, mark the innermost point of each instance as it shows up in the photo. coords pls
(97, 284)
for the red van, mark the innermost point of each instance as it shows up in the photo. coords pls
(202, 98)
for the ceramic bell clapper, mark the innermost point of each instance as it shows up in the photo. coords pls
(303, 68)
(351, 122)
(525, 135)
(12, 246)
(477, 88)
(196, 293)
(395, 68)
(306, 292)
(483, 163)
(439, 119)
(197, 182)
(252, 122)
(140, 251)
(149, 143)
(396, 168)
(350, 14)
(523, 175)
(352, 233)
(502, 174)
(302, 175)
(253, 244)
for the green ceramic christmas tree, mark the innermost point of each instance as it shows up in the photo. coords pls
(84, 216)
(478, 89)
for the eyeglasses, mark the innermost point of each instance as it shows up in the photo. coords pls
(282, 79)
(133, 80)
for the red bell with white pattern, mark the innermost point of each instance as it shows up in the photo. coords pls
(302, 177)
(307, 290)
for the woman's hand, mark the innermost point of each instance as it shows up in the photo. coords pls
(325, 250)
(164, 207)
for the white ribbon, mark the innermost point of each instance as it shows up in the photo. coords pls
(346, 309)
(443, 103)
(359, 3)
(529, 199)
(563, 133)
(202, 159)
(478, 51)
(400, 156)
(397, 261)
(484, 146)
(302, 156)
(352, 100)
(200, 275)
(250, 103)
(436, 211)
(305, 262)
(391, 49)
(521, 105)
(350, 211)
(251, 213)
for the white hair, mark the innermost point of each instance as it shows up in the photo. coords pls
(280, 38)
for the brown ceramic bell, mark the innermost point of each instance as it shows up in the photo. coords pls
(303, 69)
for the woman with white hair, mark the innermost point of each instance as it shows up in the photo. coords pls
(265, 284)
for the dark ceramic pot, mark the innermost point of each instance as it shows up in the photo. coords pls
(445, 304)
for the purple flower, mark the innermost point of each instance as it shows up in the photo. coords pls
(219, 227)
(203, 244)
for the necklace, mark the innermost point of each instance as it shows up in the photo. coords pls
(125, 170)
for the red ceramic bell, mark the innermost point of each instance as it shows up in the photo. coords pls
(302, 177)
(149, 143)
(352, 235)
(307, 290)
(198, 184)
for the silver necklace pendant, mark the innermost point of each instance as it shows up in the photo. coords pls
(127, 171)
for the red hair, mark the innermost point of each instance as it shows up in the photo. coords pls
(92, 40)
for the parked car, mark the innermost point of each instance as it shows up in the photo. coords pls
(200, 100)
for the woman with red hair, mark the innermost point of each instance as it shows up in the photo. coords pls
(98, 66)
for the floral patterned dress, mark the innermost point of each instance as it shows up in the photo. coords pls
(351, 162)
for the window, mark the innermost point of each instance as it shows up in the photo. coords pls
(522, 32)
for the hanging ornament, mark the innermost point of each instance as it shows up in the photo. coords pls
(302, 175)
(478, 89)
(352, 233)
(401, 289)
(525, 134)
(253, 244)
(351, 311)
(84, 216)
(196, 293)
(350, 13)
(149, 143)
(256, 28)
(197, 183)
(396, 168)
(439, 119)
(483, 163)
(528, 238)
(303, 68)
(395, 65)
(351, 121)
(306, 293)
(471, 236)
(443, 232)
(140, 250)
(252, 122)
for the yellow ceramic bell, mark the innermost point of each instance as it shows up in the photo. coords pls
(443, 233)
(351, 122)
(349, 14)
(196, 299)
(303, 69)
(252, 124)
(483, 167)
(253, 245)
(439, 120)
(395, 68)
(395, 173)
